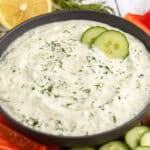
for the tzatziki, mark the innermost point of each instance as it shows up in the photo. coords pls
(52, 82)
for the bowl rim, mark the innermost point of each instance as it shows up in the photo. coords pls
(77, 13)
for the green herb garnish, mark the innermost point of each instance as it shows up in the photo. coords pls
(71, 5)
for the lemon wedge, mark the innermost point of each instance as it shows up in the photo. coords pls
(13, 12)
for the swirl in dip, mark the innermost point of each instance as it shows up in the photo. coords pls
(53, 83)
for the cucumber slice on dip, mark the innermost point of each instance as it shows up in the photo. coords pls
(114, 145)
(113, 43)
(91, 34)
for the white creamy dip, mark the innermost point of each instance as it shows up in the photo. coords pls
(53, 83)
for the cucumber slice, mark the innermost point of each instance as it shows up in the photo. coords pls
(83, 148)
(113, 43)
(145, 139)
(133, 136)
(114, 145)
(142, 148)
(90, 34)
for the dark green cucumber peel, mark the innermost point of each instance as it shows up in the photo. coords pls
(91, 34)
(113, 43)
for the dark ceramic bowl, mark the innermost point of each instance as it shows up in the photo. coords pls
(94, 139)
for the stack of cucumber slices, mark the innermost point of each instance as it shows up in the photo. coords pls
(112, 42)
(137, 138)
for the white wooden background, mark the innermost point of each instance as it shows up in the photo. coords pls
(122, 7)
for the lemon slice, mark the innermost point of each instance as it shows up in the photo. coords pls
(13, 12)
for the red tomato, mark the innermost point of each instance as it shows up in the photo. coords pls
(146, 19)
(133, 16)
(19, 140)
(3, 121)
(138, 21)
(5, 145)
(23, 139)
